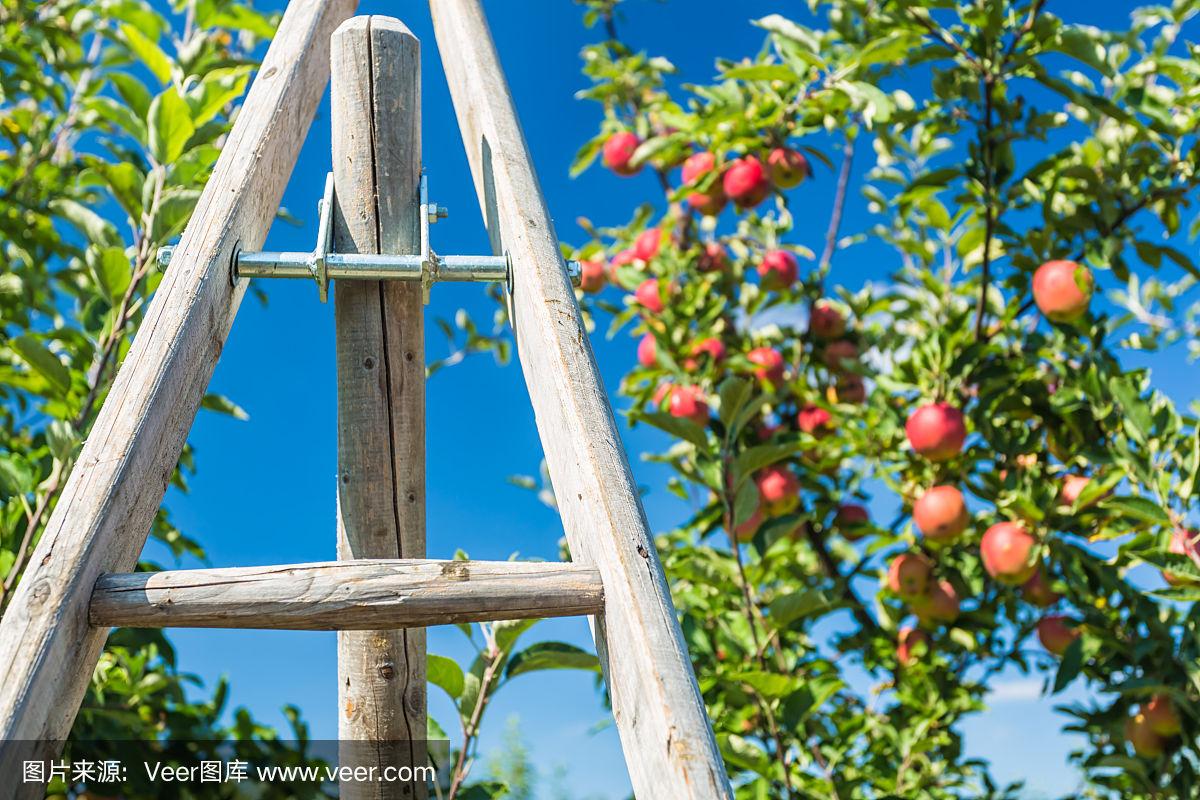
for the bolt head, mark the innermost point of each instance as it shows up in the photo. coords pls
(575, 272)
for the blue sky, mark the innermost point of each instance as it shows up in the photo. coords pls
(264, 491)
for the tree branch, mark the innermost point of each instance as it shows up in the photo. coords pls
(839, 206)
(989, 190)
(928, 24)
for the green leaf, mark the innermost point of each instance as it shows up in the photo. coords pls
(170, 126)
(1138, 508)
(745, 503)
(90, 224)
(123, 180)
(1137, 411)
(434, 732)
(733, 394)
(587, 154)
(16, 477)
(1083, 43)
(148, 52)
(1068, 669)
(760, 72)
(216, 90)
(764, 455)
(238, 17)
(506, 632)
(445, 673)
(1191, 473)
(112, 271)
(551, 655)
(223, 405)
(485, 790)
(43, 362)
(768, 684)
(132, 91)
(676, 426)
(808, 698)
(792, 606)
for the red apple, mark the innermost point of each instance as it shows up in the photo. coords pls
(1072, 487)
(1146, 743)
(712, 347)
(745, 182)
(778, 269)
(648, 296)
(1062, 290)
(941, 514)
(939, 604)
(907, 642)
(1162, 717)
(1184, 542)
(936, 431)
(776, 485)
(618, 152)
(768, 364)
(825, 321)
(661, 392)
(1056, 633)
(909, 574)
(712, 200)
(1037, 590)
(1007, 551)
(839, 352)
(814, 420)
(687, 402)
(853, 521)
(592, 276)
(712, 258)
(646, 245)
(647, 351)
(621, 259)
(788, 167)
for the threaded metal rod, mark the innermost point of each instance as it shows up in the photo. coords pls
(370, 267)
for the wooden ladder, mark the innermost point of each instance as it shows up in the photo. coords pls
(381, 592)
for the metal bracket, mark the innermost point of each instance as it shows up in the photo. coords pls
(320, 259)
(322, 264)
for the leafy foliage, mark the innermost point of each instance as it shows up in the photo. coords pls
(1002, 138)
(498, 661)
(112, 119)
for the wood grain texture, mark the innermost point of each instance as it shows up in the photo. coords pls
(376, 116)
(668, 742)
(47, 649)
(347, 595)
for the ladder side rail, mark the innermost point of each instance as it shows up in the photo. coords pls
(660, 715)
(376, 116)
(366, 595)
(102, 519)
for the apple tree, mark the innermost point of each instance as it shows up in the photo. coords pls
(112, 118)
(1029, 182)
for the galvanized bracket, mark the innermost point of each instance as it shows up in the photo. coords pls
(322, 264)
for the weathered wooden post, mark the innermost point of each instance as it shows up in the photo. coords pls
(376, 117)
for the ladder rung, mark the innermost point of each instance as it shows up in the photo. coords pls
(368, 594)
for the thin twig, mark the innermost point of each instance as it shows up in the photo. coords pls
(989, 191)
(839, 206)
(1024, 31)
(928, 24)
(472, 726)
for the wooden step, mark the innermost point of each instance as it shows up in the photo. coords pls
(371, 594)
